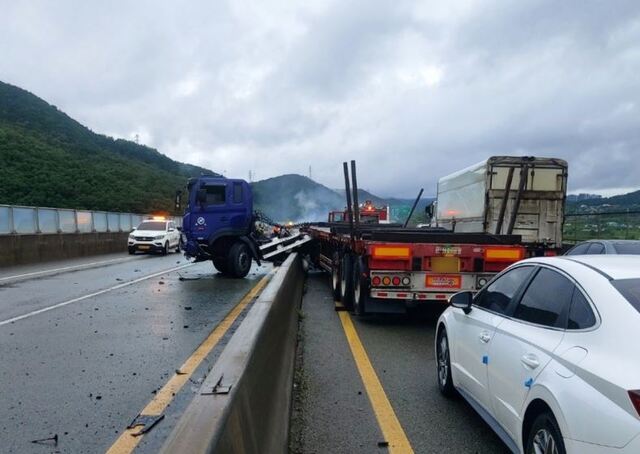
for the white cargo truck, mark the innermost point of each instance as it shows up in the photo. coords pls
(507, 195)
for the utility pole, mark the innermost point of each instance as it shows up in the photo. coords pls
(136, 139)
(310, 175)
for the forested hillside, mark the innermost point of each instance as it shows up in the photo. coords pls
(49, 159)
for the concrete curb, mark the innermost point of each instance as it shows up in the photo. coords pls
(258, 365)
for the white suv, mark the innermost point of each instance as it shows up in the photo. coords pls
(154, 236)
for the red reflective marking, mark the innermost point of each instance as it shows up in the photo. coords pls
(441, 297)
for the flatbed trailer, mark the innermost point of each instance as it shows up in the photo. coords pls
(388, 268)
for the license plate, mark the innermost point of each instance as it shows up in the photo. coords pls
(445, 264)
(144, 247)
(444, 281)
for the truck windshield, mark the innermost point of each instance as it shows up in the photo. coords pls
(152, 226)
(630, 289)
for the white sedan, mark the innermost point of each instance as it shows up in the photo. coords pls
(548, 353)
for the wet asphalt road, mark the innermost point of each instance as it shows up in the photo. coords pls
(85, 369)
(332, 410)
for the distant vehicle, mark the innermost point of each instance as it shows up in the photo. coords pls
(591, 247)
(368, 214)
(547, 353)
(154, 235)
(518, 195)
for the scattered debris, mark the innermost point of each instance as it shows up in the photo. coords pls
(147, 422)
(98, 397)
(47, 441)
(179, 372)
(186, 326)
(383, 444)
(187, 308)
(118, 279)
(161, 282)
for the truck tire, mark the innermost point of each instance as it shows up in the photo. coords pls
(220, 263)
(239, 260)
(335, 276)
(360, 287)
(346, 280)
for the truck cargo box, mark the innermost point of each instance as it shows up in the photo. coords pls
(473, 199)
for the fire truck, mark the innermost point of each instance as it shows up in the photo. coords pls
(369, 214)
(387, 268)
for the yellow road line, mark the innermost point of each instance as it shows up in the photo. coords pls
(126, 443)
(387, 419)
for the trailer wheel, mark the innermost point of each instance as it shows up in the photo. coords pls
(335, 276)
(360, 288)
(346, 280)
(239, 260)
(220, 263)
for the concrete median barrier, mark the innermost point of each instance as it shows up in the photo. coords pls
(36, 248)
(244, 404)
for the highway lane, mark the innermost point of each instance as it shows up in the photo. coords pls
(83, 349)
(333, 404)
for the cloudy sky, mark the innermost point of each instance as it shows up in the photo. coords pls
(411, 90)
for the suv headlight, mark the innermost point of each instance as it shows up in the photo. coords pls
(159, 237)
(131, 236)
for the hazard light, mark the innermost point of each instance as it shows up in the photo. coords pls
(503, 254)
(391, 253)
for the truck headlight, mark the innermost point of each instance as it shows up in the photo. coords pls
(159, 237)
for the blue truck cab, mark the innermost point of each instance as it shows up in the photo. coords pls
(218, 224)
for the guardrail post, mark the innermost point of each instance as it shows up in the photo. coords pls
(12, 227)
(36, 220)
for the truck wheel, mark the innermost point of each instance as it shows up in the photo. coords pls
(360, 288)
(346, 281)
(239, 260)
(335, 277)
(220, 263)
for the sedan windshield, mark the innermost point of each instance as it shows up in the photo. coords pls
(627, 248)
(630, 289)
(152, 226)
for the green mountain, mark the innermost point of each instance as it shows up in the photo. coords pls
(49, 159)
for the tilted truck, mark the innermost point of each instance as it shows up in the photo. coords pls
(220, 225)
(386, 268)
(507, 195)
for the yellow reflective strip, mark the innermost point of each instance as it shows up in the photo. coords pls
(502, 254)
(384, 251)
(126, 443)
(387, 419)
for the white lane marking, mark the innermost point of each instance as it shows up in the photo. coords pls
(91, 295)
(65, 268)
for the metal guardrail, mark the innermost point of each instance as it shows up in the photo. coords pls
(613, 225)
(24, 220)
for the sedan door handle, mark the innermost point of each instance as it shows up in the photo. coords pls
(531, 361)
(485, 336)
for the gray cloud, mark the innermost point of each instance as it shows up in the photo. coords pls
(412, 90)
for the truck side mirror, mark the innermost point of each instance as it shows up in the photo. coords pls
(201, 196)
(429, 210)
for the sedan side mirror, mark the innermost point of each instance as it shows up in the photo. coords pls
(462, 300)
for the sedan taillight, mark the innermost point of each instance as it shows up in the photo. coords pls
(635, 399)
